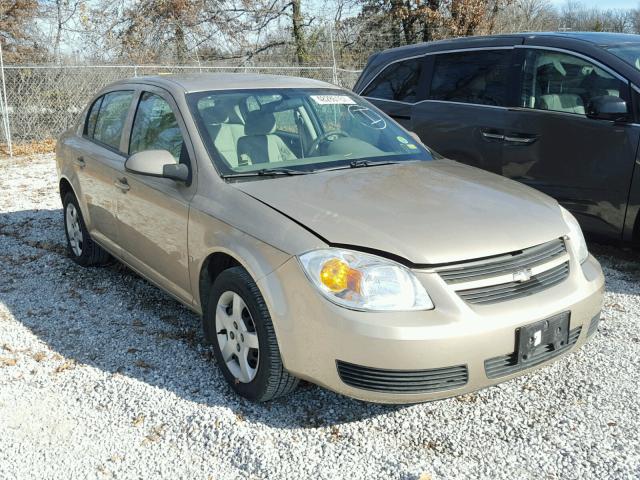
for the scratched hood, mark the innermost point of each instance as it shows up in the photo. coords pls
(426, 212)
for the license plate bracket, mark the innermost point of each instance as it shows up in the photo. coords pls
(549, 334)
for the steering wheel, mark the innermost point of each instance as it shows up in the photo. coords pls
(325, 137)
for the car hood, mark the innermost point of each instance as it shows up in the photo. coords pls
(425, 212)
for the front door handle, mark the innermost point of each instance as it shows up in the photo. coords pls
(493, 135)
(122, 184)
(80, 162)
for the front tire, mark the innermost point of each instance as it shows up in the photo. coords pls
(237, 322)
(82, 249)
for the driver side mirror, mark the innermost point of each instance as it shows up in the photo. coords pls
(608, 107)
(157, 163)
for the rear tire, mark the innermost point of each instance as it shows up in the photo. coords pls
(82, 249)
(237, 322)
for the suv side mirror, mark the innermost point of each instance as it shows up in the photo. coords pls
(157, 163)
(608, 107)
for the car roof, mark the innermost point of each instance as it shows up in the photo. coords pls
(199, 82)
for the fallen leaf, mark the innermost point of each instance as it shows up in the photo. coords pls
(143, 364)
(39, 356)
(8, 362)
(138, 420)
(424, 476)
(68, 365)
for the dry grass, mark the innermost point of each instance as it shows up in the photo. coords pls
(30, 148)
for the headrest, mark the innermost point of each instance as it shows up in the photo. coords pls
(217, 114)
(260, 123)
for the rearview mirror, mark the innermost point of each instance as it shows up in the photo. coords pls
(157, 163)
(608, 107)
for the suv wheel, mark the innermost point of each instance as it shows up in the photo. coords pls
(236, 321)
(82, 249)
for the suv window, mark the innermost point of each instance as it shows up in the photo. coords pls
(478, 77)
(565, 83)
(399, 81)
(111, 117)
(155, 127)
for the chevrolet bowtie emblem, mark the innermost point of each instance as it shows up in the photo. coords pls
(522, 275)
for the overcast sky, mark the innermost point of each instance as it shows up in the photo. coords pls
(604, 4)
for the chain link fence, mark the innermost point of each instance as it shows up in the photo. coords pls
(44, 101)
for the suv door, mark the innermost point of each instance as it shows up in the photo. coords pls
(99, 161)
(551, 144)
(153, 212)
(464, 114)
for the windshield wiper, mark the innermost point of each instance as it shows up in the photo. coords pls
(357, 164)
(266, 172)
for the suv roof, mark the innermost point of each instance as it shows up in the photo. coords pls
(379, 60)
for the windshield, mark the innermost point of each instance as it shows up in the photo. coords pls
(300, 130)
(629, 52)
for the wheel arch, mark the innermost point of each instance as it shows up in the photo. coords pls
(212, 266)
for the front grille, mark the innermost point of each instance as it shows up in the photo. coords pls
(508, 364)
(402, 381)
(593, 326)
(494, 279)
(511, 290)
(505, 264)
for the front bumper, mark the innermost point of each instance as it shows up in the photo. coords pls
(315, 335)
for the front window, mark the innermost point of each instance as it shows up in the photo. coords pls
(565, 83)
(297, 129)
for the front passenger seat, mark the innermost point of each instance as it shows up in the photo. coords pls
(260, 145)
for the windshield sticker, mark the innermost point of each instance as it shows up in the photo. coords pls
(367, 117)
(411, 146)
(402, 140)
(333, 99)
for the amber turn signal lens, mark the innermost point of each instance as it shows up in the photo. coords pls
(337, 276)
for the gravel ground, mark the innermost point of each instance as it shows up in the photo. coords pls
(102, 375)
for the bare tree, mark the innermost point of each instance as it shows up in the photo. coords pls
(18, 31)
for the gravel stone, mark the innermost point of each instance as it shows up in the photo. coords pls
(104, 376)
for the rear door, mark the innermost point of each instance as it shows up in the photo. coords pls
(551, 145)
(153, 212)
(99, 160)
(464, 114)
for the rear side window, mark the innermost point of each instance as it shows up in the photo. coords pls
(399, 81)
(111, 117)
(478, 77)
(155, 127)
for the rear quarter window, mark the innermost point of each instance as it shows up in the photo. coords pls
(398, 81)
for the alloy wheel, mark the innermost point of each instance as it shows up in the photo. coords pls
(74, 232)
(237, 337)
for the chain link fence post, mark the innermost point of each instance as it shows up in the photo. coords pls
(5, 107)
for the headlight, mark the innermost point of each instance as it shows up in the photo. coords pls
(364, 282)
(575, 235)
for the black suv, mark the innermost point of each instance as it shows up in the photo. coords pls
(557, 111)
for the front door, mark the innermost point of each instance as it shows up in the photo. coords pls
(153, 213)
(551, 144)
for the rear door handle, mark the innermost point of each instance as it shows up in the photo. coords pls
(520, 140)
(80, 162)
(122, 184)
